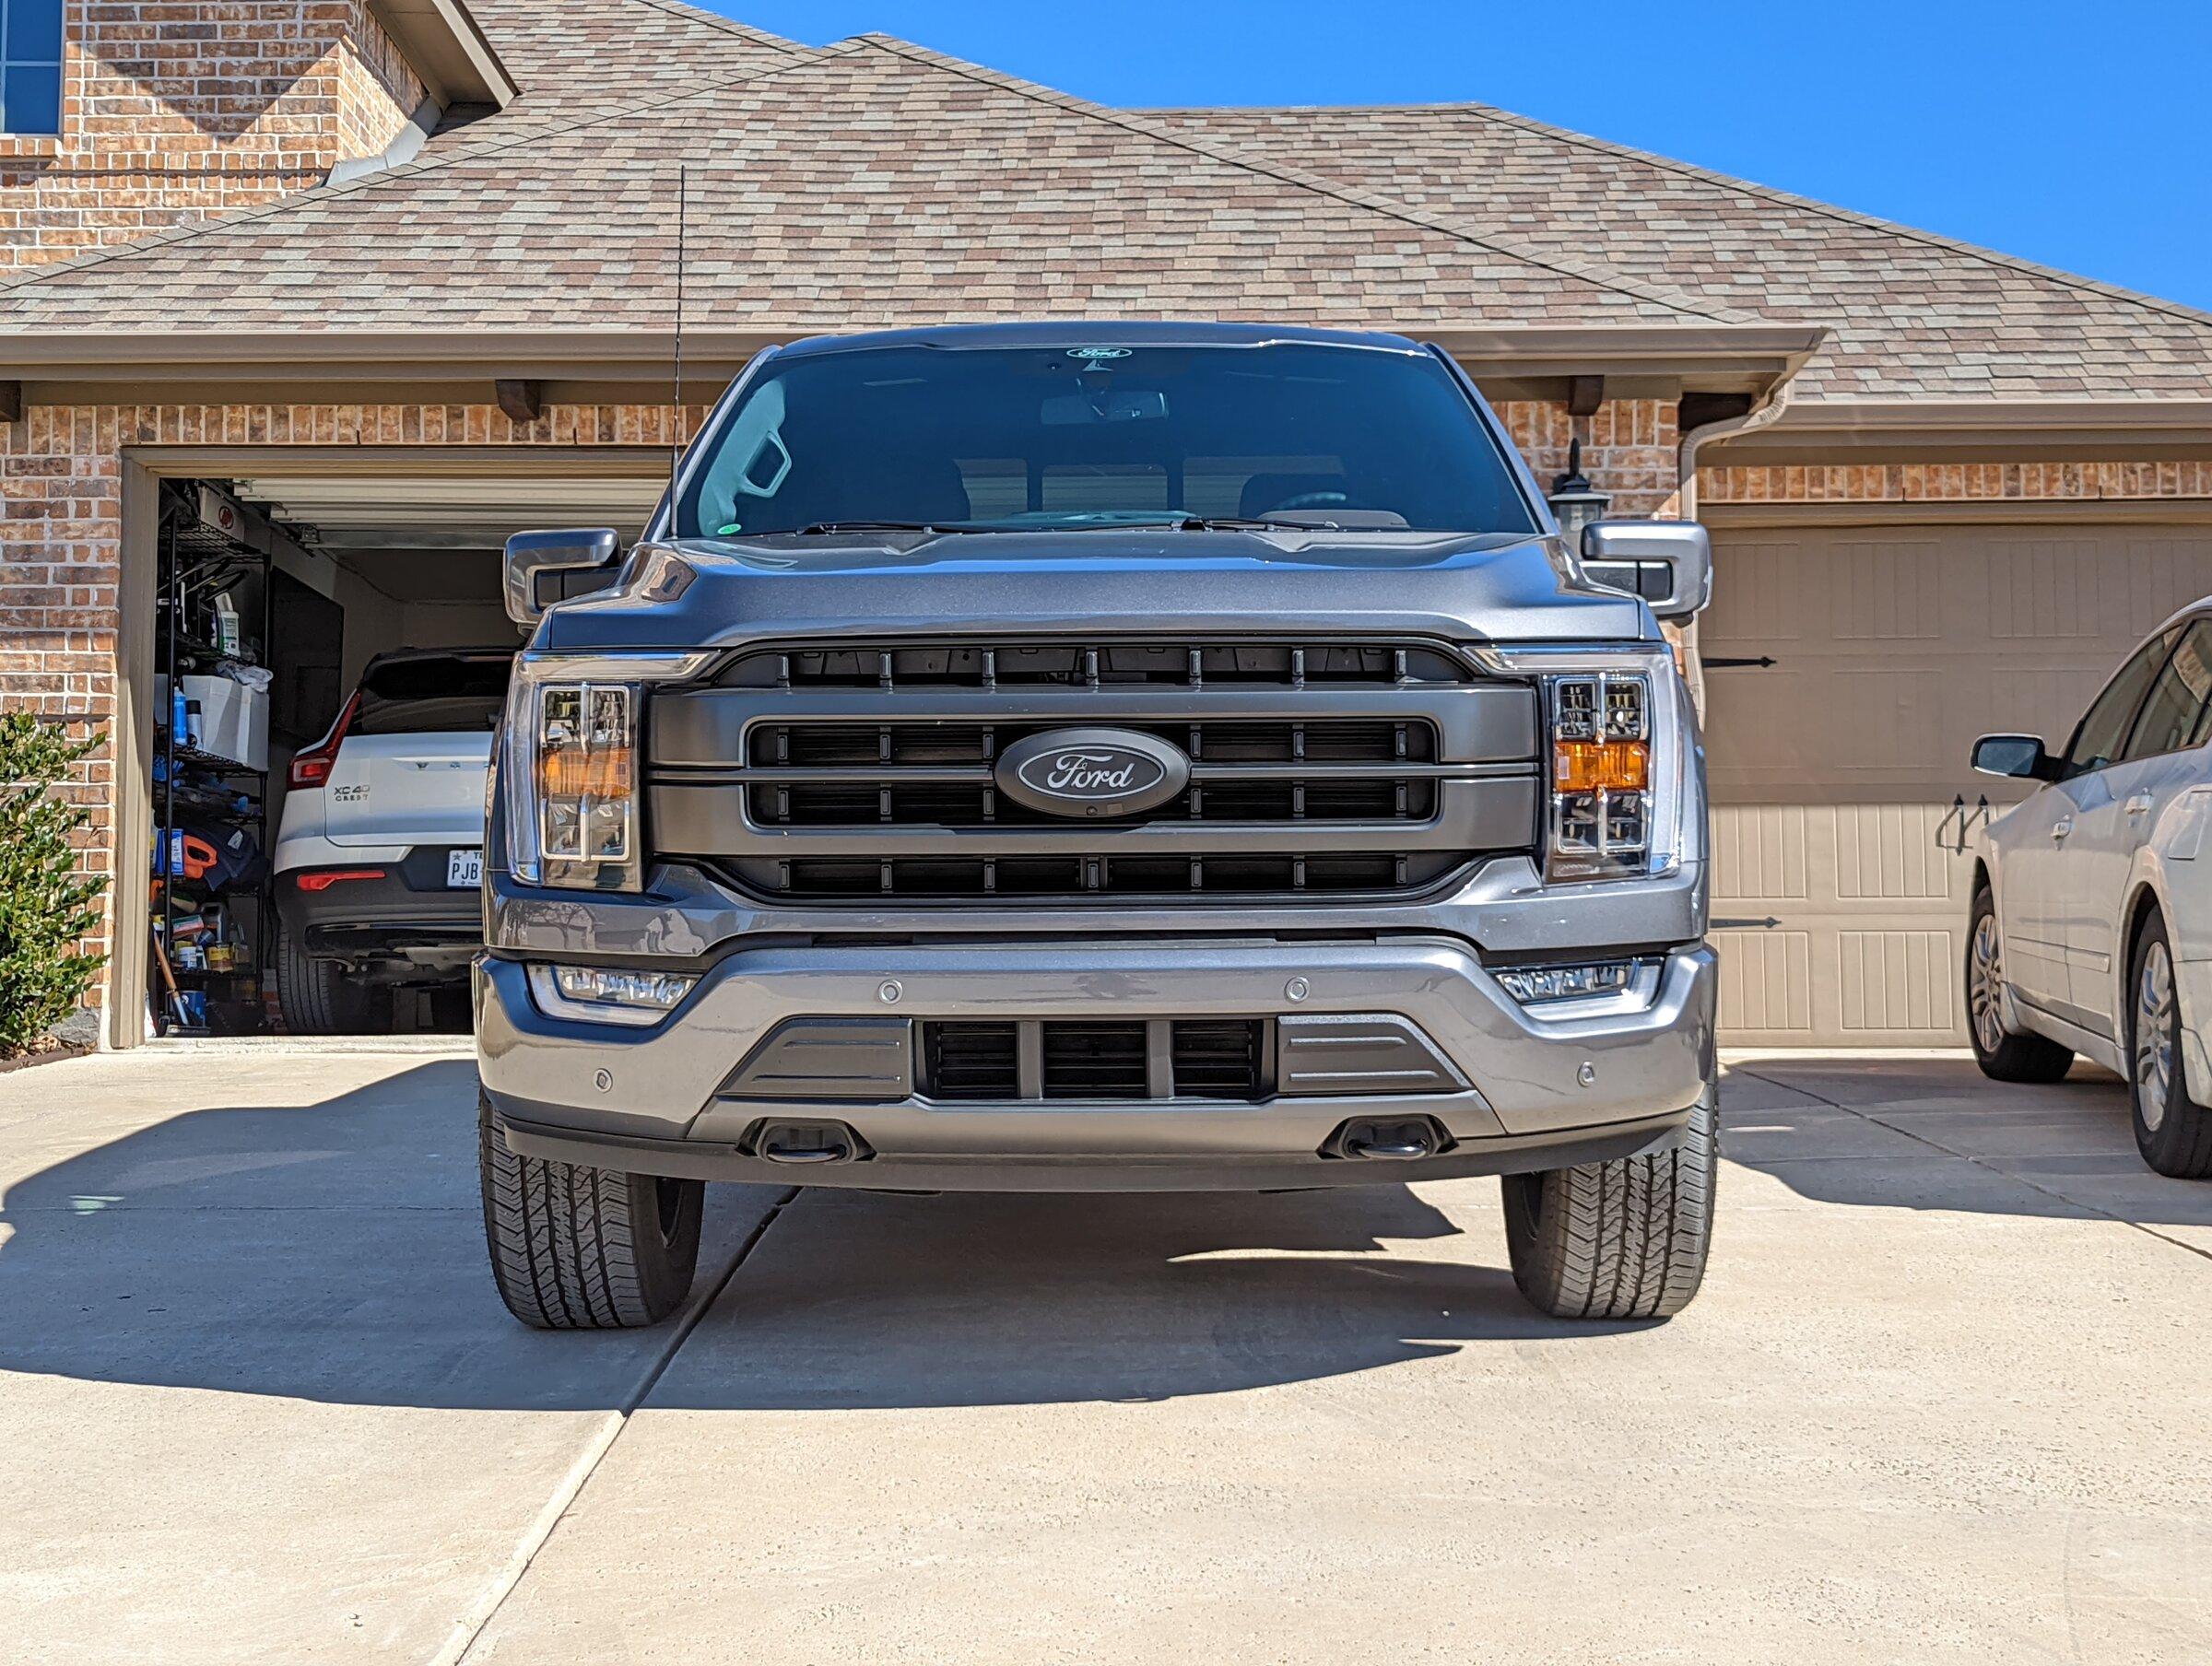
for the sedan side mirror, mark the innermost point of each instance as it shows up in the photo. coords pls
(546, 567)
(2017, 757)
(1669, 563)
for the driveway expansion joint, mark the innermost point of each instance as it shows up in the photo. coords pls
(462, 1641)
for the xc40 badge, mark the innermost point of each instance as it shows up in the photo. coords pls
(1092, 773)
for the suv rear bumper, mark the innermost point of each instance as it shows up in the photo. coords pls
(405, 912)
(1531, 1091)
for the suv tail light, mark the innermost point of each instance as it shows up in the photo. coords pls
(311, 767)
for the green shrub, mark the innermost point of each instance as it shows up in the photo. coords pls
(46, 906)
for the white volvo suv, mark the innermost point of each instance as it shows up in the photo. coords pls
(381, 858)
(2091, 924)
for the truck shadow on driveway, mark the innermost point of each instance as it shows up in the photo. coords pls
(334, 1251)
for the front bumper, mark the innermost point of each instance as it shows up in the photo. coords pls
(1535, 1093)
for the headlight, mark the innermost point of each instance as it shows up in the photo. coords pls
(568, 767)
(1601, 774)
(1619, 753)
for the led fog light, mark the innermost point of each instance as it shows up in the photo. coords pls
(1533, 985)
(599, 996)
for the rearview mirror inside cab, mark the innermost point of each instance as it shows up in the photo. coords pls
(2018, 756)
(546, 567)
(1669, 563)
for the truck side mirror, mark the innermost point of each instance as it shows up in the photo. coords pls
(2018, 756)
(1669, 563)
(546, 567)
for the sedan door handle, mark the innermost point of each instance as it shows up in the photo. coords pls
(2060, 828)
(2139, 805)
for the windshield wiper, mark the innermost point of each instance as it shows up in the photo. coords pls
(822, 528)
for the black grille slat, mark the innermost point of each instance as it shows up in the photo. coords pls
(1219, 1058)
(1094, 1062)
(1104, 664)
(971, 1060)
(1386, 768)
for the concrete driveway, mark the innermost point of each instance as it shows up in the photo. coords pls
(1947, 1398)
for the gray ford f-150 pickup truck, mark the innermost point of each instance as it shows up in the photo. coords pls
(1099, 757)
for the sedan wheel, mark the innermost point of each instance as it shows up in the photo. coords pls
(2154, 1036)
(1984, 978)
(2002, 1056)
(2173, 1132)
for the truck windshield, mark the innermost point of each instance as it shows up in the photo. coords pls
(1001, 439)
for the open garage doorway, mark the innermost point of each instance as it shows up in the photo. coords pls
(328, 658)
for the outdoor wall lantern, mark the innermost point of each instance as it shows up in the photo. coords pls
(1573, 500)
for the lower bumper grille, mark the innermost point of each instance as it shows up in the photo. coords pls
(1135, 1059)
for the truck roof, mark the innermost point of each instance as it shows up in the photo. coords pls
(1076, 332)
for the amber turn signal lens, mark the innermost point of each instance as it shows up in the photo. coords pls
(1593, 766)
(572, 772)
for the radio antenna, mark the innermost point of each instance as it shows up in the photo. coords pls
(675, 409)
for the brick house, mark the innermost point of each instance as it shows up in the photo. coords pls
(402, 275)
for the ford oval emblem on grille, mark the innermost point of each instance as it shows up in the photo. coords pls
(1092, 773)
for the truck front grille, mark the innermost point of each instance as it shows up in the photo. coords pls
(1334, 770)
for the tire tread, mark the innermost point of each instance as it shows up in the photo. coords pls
(1621, 1241)
(573, 1248)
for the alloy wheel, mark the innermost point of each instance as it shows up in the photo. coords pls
(2154, 1036)
(1984, 978)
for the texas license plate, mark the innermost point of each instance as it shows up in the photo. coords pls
(465, 869)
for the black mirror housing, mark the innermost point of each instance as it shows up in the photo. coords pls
(1669, 563)
(548, 567)
(2015, 756)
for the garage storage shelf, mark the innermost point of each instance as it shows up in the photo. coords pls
(205, 796)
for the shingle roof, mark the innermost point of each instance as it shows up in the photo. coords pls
(875, 183)
(571, 57)
(870, 185)
(1912, 313)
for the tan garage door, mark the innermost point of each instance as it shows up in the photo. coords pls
(1838, 771)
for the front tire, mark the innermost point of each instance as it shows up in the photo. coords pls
(2002, 1056)
(1624, 1239)
(577, 1248)
(2172, 1131)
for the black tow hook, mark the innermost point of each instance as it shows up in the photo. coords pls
(1395, 1141)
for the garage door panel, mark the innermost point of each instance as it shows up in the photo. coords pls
(1758, 855)
(2050, 596)
(1766, 994)
(1885, 592)
(1838, 773)
(1888, 854)
(1895, 984)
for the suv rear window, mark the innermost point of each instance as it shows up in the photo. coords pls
(433, 693)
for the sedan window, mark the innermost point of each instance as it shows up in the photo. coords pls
(2174, 713)
(2104, 726)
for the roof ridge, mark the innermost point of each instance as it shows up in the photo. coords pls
(320, 195)
(1788, 199)
(1466, 231)
(729, 26)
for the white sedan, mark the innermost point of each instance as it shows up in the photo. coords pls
(2091, 926)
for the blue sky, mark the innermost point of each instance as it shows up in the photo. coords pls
(2064, 133)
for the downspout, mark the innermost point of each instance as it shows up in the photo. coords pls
(1765, 414)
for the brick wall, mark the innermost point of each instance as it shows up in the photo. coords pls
(1630, 448)
(176, 110)
(1956, 483)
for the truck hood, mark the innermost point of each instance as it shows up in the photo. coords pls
(720, 594)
